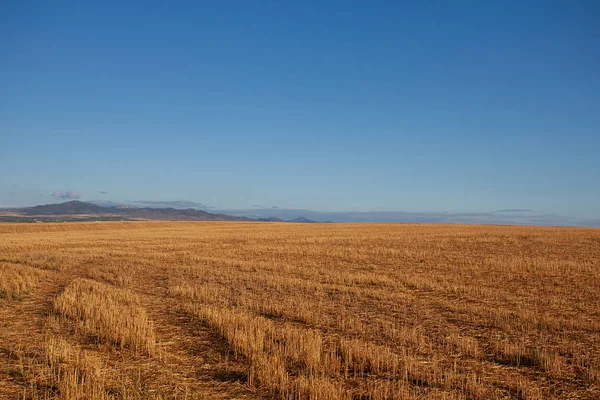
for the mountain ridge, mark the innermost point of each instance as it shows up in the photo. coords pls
(76, 207)
(76, 210)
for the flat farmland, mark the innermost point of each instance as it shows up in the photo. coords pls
(220, 310)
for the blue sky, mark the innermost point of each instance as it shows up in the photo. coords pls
(430, 106)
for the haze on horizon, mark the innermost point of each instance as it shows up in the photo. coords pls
(468, 107)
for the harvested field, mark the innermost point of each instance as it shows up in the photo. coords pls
(220, 310)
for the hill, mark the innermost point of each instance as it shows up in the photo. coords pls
(302, 220)
(172, 214)
(270, 219)
(82, 211)
(70, 207)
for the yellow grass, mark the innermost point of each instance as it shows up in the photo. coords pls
(72, 372)
(111, 314)
(275, 310)
(17, 280)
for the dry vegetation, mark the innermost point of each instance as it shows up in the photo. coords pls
(267, 310)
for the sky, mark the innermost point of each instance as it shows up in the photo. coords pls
(437, 106)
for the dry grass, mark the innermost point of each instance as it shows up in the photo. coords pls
(332, 311)
(110, 314)
(17, 280)
(72, 372)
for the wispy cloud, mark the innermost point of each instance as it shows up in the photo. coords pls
(170, 204)
(66, 195)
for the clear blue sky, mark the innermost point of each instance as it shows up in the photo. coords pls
(430, 106)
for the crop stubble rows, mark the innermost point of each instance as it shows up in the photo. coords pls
(273, 310)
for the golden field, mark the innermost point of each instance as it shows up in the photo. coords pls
(178, 310)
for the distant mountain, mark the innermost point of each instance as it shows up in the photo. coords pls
(509, 216)
(70, 207)
(107, 204)
(302, 220)
(77, 207)
(172, 214)
(108, 211)
(270, 219)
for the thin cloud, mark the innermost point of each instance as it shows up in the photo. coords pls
(515, 210)
(170, 204)
(66, 195)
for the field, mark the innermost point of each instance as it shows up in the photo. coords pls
(220, 310)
